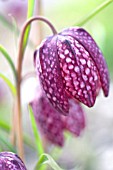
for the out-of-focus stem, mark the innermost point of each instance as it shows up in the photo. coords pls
(39, 29)
(13, 130)
(19, 123)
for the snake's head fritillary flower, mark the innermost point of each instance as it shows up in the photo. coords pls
(71, 64)
(52, 123)
(10, 161)
(48, 120)
(75, 121)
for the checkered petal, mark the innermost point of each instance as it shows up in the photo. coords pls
(48, 120)
(79, 74)
(50, 75)
(10, 161)
(86, 40)
(75, 121)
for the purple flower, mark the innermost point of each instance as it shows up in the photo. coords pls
(52, 124)
(71, 64)
(10, 161)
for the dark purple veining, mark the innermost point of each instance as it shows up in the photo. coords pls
(71, 64)
(10, 161)
(52, 123)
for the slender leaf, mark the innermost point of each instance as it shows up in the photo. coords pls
(6, 23)
(85, 19)
(4, 126)
(8, 58)
(47, 159)
(30, 11)
(7, 144)
(11, 27)
(9, 83)
(38, 141)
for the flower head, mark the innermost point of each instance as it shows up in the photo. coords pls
(71, 64)
(52, 124)
(10, 161)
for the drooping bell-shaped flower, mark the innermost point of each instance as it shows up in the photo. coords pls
(75, 121)
(10, 161)
(71, 64)
(52, 124)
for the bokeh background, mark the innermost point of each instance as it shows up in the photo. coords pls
(94, 148)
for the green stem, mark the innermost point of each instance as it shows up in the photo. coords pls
(93, 13)
(29, 14)
(30, 11)
(39, 144)
(8, 58)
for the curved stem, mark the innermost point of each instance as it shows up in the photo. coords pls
(19, 71)
(21, 50)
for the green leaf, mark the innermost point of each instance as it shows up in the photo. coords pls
(6, 144)
(4, 126)
(6, 23)
(30, 11)
(85, 19)
(38, 141)
(47, 159)
(8, 58)
(11, 27)
(9, 83)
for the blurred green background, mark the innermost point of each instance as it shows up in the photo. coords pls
(94, 149)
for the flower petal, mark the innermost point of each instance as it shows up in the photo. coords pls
(75, 121)
(50, 75)
(10, 161)
(48, 120)
(84, 38)
(79, 73)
